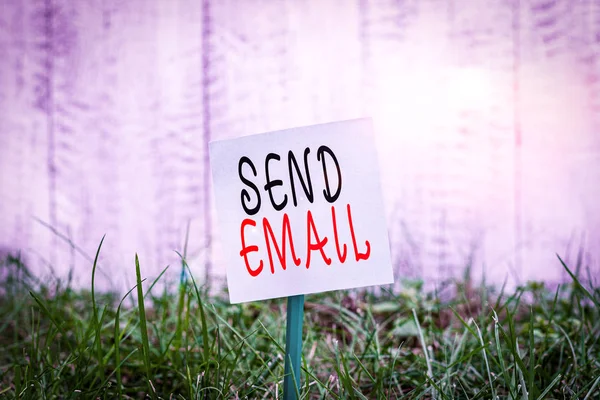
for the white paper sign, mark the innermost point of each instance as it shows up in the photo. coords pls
(300, 211)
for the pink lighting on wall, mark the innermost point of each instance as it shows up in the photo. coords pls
(106, 108)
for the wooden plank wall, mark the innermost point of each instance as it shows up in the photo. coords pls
(487, 117)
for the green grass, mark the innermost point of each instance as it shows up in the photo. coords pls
(56, 342)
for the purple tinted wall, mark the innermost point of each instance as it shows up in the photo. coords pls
(487, 119)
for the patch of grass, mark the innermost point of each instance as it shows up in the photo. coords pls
(479, 344)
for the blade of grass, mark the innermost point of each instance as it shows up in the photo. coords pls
(507, 380)
(17, 381)
(530, 382)
(155, 281)
(118, 344)
(578, 284)
(182, 292)
(560, 328)
(425, 352)
(52, 318)
(391, 372)
(143, 327)
(184, 257)
(205, 343)
(512, 341)
(591, 392)
(463, 322)
(362, 366)
(487, 364)
(96, 324)
(342, 371)
(549, 387)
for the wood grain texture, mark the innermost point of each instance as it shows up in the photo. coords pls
(486, 113)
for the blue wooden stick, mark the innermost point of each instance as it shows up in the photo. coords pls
(293, 347)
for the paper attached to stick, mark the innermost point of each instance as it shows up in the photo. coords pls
(300, 211)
